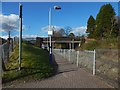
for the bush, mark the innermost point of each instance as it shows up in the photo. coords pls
(90, 45)
(101, 44)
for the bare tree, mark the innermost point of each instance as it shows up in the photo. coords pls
(68, 29)
(58, 33)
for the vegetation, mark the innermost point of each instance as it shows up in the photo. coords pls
(71, 35)
(35, 63)
(91, 27)
(104, 21)
(67, 30)
(105, 25)
(62, 32)
(104, 30)
(101, 44)
(59, 33)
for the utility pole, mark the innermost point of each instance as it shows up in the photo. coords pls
(20, 35)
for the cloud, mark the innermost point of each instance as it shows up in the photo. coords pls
(9, 22)
(31, 36)
(23, 36)
(79, 30)
(44, 30)
(56, 28)
(6, 36)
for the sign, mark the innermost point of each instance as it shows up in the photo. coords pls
(50, 32)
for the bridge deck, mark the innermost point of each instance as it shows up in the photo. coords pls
(62, 41)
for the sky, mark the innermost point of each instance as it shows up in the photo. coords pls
(35, 16)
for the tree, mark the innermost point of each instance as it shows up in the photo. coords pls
(82, 40)
(71, 35)
(91, 26)
(58, 33)
(115, 27)
(104, 21)
(67, 30)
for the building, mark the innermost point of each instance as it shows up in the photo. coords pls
(59, 42)
(39, 42)
(2, 41)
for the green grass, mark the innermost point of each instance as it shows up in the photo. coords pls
(101, 44)
(35, 63)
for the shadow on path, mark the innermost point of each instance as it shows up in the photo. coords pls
(55, 65)
(59, 64)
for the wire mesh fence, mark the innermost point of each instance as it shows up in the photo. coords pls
(86, 60)
(107, 65)
(83, 59)
(101, 62)
(5, 51)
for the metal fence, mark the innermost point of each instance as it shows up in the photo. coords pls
(101, 62)
(107, 65)
(84, 59)
(6, 49)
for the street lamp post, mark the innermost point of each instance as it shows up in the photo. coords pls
(50, 32)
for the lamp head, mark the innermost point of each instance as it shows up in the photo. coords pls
(57, 7)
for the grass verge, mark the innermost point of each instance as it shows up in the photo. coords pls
(110, 43)
(35, 63)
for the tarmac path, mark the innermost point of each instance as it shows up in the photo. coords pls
(68, 76)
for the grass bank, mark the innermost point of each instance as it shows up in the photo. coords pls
(35, 63)
(110, 43)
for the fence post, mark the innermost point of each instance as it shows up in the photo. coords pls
(77, 57)
(8, 52)
(3, 57)
(64, 53)
(61, 51)
(69, 54)
(94, 63)
(2, 53)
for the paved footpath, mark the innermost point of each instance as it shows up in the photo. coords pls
(68, 76)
